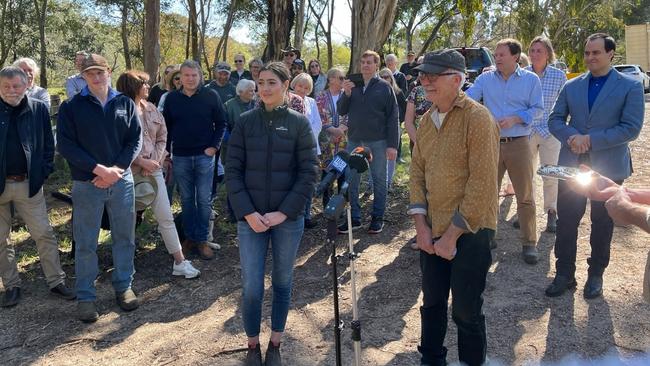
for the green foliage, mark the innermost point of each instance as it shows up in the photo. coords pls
(468, 10)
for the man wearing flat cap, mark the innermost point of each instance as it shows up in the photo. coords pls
(453, 202)
(98, 133)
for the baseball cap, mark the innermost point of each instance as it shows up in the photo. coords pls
(222, 66)
(94, 61)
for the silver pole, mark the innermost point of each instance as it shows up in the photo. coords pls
(356, 325)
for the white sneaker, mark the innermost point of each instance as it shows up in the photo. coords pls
(213, 246)
(185, 268)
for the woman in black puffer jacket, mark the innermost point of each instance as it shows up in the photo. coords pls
(271, 171)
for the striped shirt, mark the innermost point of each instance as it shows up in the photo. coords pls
(552, 80)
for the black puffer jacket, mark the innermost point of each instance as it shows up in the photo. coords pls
(271, 164)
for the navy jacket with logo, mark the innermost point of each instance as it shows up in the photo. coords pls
(89, 133)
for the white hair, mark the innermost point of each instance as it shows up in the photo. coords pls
(390, 57)
(303, 78)
(243, 85)
(29, 62)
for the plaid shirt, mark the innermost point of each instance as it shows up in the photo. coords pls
(552, 81)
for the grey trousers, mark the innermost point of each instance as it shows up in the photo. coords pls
(34, 213)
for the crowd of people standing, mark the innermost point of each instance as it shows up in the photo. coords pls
(270, 131)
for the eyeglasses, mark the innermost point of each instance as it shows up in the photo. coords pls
(239, 61)
(434, 77)
(289, 54)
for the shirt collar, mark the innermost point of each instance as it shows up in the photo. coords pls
(112, 93)
(518, 71)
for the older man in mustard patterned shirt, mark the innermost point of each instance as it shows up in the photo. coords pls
(454, 204)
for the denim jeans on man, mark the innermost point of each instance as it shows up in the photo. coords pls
(465, 276)
(253, 247)
(193, 175)
(88, 204)
(378, 171)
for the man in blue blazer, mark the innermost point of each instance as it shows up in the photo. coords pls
(595, 117)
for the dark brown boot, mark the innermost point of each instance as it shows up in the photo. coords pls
(187, 246)
(205, 252)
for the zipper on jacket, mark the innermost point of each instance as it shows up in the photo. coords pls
(269, 149)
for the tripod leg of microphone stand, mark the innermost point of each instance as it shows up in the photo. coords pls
(356, 324)
(331, 239)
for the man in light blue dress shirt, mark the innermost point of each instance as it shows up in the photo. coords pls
(514, 97)
(542, 142)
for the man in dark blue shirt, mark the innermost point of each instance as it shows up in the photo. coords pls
(99, 135)
(26, 159)
(597, 133)
(196, 121)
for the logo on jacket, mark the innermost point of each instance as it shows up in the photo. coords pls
(281, 128)
(121, 113)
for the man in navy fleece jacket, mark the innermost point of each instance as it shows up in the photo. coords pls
(98, 133)
(195, 121)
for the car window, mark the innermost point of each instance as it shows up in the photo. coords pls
(626, 69)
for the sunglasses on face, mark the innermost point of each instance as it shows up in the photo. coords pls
(387, 77)
(177, 78)
(239, 61)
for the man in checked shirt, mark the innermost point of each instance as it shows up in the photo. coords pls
(542, 142)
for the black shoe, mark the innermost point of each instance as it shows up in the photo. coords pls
(559, 285)
(272, 357)
(530, 254)
(63, 291)
(593, 287)
(87, 312)
(515, 224)
(310, 224)
(376, 225)
(11, 297)
(551, 222)
(343, 229)
(254, 356)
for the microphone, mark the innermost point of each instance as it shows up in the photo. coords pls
(335, 169)
(360, 159)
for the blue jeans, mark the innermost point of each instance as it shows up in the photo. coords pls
(378, 172)
(88, 204)
(253, 247)
(193, 174)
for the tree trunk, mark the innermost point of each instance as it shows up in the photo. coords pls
(152, 39)
(372, 21)
(41, 11)
(279, 22)
(125, 36)
(300, 24)
(194, 31)
(222, 46)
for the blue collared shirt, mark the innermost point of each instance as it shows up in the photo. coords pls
(520, 95)
(552, 80)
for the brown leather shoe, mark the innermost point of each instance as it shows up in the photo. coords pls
(187, 245)
(205, 252)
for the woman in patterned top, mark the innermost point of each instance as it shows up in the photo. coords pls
(416, 106)
(332, 138)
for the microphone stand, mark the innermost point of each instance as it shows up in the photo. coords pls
(333, 211)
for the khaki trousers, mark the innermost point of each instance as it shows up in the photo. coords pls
(548, 150)
(34, 213)
(516, 158)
